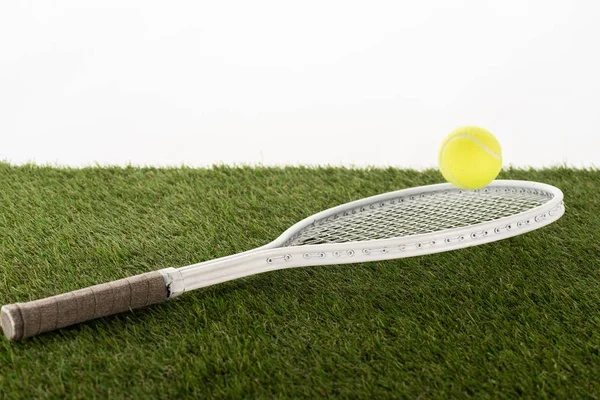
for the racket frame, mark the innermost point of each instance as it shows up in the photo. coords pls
(275, 255)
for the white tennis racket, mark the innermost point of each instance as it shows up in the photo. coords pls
(398, 224)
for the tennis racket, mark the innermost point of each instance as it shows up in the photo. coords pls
(404, 223)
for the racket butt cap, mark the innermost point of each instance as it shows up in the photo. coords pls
(11, 322)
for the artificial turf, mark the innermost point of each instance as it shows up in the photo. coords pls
(515, 318)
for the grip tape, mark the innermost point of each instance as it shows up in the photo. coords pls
(23, 320)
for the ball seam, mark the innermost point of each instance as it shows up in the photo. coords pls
(473, 138)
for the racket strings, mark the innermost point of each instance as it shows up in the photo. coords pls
(419, 214)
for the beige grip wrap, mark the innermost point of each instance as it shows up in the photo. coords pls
(23, 320)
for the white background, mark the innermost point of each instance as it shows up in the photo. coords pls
(303, 82)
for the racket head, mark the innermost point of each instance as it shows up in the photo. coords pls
(425, 219)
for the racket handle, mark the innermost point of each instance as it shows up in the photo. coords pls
(23, 320)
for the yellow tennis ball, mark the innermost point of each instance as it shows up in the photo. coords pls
(470, 157)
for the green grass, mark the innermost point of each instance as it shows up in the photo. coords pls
(516, 318)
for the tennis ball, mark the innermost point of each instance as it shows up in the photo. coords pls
(470, 157)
